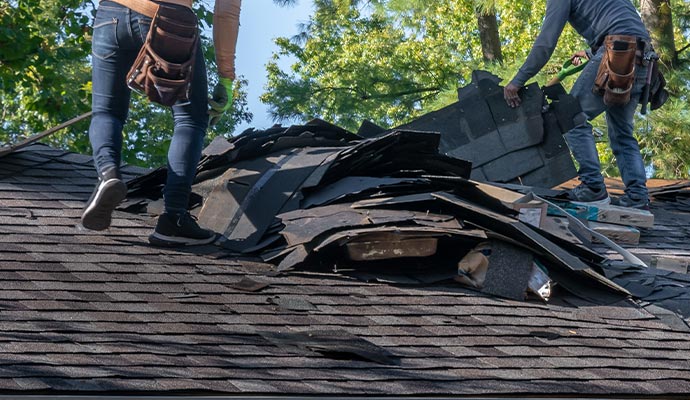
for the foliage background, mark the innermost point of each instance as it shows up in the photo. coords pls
(387, 61)
(390, 61)
(45, 79)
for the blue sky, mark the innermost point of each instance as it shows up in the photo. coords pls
(261, 21)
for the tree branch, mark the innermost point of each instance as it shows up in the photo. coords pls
(378, 96)
(404, 93)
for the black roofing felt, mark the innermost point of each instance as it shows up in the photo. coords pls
(511, 145)
(104, 312)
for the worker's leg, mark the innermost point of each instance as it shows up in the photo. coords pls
(176, 227)
(110, 94)
(191, 122)
(114, 48)
(580, 139)
(619, 120)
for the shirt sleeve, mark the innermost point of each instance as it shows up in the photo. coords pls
(226, 26)
(555, 18)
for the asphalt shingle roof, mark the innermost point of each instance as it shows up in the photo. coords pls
(104, 312)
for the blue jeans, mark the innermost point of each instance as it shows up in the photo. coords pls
(118, 34)
(619, 121)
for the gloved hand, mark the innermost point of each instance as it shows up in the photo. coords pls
(221, 100)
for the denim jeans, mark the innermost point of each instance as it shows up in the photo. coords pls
(619, 122)
(118, 34)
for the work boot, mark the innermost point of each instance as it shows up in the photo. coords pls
(588, 196)
(641, 203)
(109, 192)
(180, 229)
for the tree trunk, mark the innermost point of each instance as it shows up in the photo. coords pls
(488, 36)
(657, 16)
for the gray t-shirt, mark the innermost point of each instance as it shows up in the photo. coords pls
(593, 19)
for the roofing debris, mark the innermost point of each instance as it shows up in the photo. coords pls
(406, 205)
(679, 194)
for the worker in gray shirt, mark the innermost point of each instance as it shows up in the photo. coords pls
(602, 23)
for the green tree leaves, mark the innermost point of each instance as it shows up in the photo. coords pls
(40, 82)
(45, 79)
(367, 62)
(389, 61)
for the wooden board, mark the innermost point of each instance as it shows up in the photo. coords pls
(560, 227)
(617, 233)
(608, 214)
(673, 264)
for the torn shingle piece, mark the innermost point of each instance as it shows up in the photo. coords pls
(292, 303)
(334, 344)
(248, 216)
(250, 285)
(665, 293)
(357, 186)
(521, 162)
(369, 244)
(301, 226)
(395, 200)
(291, 257)
(218, 146)
(368, 129)
(399, 151)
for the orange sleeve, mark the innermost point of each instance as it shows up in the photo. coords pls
(226, 26)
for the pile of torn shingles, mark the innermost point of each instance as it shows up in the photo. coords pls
(394, 208)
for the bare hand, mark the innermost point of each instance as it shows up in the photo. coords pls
(577, 57)
(510, 94)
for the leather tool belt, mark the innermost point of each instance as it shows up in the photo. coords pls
(616, 74)
(163, 69)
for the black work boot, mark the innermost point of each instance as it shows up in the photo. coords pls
(589, 196)
(641, 203)
(109, 192)
(173, 229)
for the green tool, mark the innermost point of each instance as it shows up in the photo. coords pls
(568, 69)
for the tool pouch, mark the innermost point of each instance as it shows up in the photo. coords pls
(616, 74)
(658, 93)
(163, 68)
